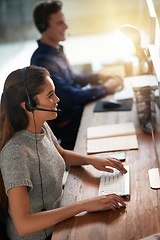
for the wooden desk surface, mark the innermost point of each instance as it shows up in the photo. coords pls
(142, 214)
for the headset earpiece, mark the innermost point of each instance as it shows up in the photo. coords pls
(42, 27)
(30, 106)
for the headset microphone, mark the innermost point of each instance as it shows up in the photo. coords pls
(47, 110)
(31, 109)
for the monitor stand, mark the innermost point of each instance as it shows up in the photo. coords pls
(154, 178)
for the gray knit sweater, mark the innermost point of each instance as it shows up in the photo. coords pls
(19, 164)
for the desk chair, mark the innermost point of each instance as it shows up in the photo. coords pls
(3, 231)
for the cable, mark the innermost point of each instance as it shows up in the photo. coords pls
(43, 209)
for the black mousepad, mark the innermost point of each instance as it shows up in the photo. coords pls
(126, 106)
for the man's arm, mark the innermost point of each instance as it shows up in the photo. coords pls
(75, 95)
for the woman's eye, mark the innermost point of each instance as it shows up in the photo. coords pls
(50, 95)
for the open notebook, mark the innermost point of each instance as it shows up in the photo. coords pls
(111, 130)
(112, 137)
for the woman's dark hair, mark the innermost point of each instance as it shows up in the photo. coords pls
(42, 12)
(13, 117)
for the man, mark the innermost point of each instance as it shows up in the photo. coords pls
(50, 21)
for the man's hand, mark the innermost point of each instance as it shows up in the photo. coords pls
(112, 83)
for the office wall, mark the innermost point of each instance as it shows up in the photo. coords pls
(83, 17)
(16, 22)
(100, 16)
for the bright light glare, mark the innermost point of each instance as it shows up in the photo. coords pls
(125, 43)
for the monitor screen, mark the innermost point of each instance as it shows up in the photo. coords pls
(154, 25)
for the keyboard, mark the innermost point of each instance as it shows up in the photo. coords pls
(115, 182)
(134, 83)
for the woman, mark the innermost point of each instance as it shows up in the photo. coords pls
(32, 162)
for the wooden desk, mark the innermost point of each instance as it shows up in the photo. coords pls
(142, 214)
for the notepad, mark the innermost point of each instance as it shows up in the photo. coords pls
(111, 130)
(111, 137)
(112, 144)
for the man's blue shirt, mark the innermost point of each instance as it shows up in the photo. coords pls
(68, 84)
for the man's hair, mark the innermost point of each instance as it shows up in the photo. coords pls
(42, 12)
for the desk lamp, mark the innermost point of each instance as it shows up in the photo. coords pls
(134, 34)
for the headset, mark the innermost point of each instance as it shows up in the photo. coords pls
(42, 26)
(31, 104)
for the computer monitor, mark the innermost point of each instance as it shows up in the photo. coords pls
(154, 31)
(154, 173)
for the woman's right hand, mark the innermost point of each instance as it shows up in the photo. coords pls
(100, 203)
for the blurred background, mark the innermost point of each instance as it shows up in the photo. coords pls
(91, 37)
